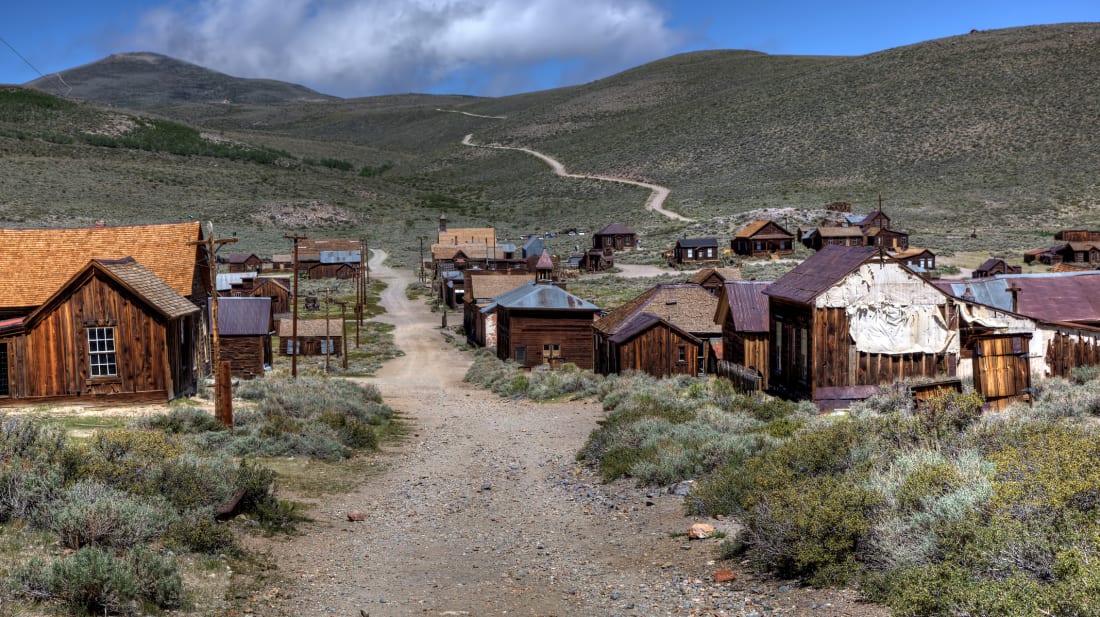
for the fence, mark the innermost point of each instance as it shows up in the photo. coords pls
(743, 378)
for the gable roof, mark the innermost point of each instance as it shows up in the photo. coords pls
(723, 274)
(642, 322)
(685, 305)
(819, 272)
(486, 286)
(990, 263)
(226, 280)
(36, 262)
(910, 252)
(544, 262)
(311, 328)
(696, 242)
(746, 304)
(840, 232)
(468, 235)
(240, 258)
(243, 316)
(753, 228)
(533, 246)
(536, 296)
(615, 229)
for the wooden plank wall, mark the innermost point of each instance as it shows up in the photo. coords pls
(656, 351)
(1063, 354)
(533, 329)
(245, 355)
(1002, 370)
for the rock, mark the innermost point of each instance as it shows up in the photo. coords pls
(356, 515)
(487, 486)
(699, 531)
(725, 576)
(680, 488)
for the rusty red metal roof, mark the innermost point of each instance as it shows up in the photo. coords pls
(746, 303)
(244, 316)
(821, 271)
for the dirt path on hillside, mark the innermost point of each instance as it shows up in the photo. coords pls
(658, 194)
(483, 511)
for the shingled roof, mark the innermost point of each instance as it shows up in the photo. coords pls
(485, 286)
(311, 328)
(685, 305)
(34, 263)
(821, 271)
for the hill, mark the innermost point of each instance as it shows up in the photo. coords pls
(993, 132)
(144, 80)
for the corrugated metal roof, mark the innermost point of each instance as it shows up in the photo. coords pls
(535, 296)
(226, 280)
(1059, 297)
(747, 304)
(243, 316)
(340, 257)
(821, 271)
(506, 248)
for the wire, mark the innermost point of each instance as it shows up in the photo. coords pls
(33, 67)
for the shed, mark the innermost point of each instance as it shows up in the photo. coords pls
(244, 262)
(540, 324)
(711, 279)
(315, 336)
(245, 326)
(762, 238)
(742, 313)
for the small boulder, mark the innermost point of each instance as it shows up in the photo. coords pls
(357, 516)
(698, 531)
(725, 576)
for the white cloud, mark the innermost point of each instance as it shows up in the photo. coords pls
(362, 47)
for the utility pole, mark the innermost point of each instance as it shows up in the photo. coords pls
(294, 309)
(220, 405)
(343, 327)
(421, 260)
(327, 347)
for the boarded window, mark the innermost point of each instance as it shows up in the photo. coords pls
(520, 355)
(102, 360)
(551, 353)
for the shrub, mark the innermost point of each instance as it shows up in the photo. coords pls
(181, 420)
(94, 514)
(197, 531)
(126, 458)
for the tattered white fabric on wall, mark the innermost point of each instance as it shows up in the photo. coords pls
(891, 329)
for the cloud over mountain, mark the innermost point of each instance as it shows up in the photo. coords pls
(360, 47)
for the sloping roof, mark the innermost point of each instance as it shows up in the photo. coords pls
(340, 257)
(311, 327)
(874, 231)
(912, 251)
(820, 272)
(724, 274)
(750, 230)
(226, 280)
(1049, 249)
(36, 262)
(485, 286)
(840, 232)
(240, 258)
(697, 242)
(1082, 246)
(146, 284)
(535, 296)
(471, 251)
(685, 305)
(989, 264)
(281, 281)
(544, 262)
(243, 316)
(282, 259)
(468, 235)
(615, 229)
(533, 246)
(746, 303)
(1056, 297)
(644, 321)
(316, 245)
(1068, 267)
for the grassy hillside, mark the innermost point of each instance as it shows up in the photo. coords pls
(993, 132)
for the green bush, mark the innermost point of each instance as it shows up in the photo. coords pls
(197, 531)
(182, 420)
(92, 514)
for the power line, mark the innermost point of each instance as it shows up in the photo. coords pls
(33, 67)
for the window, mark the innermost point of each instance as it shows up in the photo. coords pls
(682, 359)
(520, 355)
(804, 353)
(290, 347)
(101, 352)
(551, 353)
(691, 253)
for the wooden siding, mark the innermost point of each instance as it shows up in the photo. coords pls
(311, 345)
(655, 351)
(152, 358)
(1065, 353)
(246, 354)
(1002, 372)
(615, 241)
(532, 329)
(748, 349)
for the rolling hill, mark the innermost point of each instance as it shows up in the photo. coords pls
(994, 132)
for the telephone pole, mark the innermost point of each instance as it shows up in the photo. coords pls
(222, 409)
(294, 309)
(343, 328)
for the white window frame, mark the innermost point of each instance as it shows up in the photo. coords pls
(102, 352)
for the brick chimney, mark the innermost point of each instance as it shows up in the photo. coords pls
(443, 223)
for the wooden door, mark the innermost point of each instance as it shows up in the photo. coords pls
(551, 355)
(1002, 373)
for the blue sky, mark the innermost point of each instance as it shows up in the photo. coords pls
(482, 47)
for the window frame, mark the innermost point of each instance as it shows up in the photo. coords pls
(102, 361)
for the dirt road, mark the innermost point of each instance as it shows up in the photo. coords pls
(483, 511)
(658, 194)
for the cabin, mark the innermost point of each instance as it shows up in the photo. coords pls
(919, 260)
(245, 326)
(1077, 235)
(282, 262)
(112, 332)
(762, 238)
(995, 266)
(844, 321)
(667, 330)
(712, 279)
(886, 239)
(1078, 253)
(695, 252)
(329, 258)
(244, 262)
(592, 260)
(742, 313)
(616, 237)
(275, 288)
(480, 289)
(821, 237)
(540, 324)
(316, 337)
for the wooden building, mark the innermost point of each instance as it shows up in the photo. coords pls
(995, 266)
(762, 238)
(539, 324)
(113, 331)
(667, 330)
(275, 288)
(245, 326)
(327, 258)
(315, 337)
(742, 313)
(244, 262)
(712, 279)
(1077, 235)
(918, 259)
(616, 237)
(480, 289)
(821, 237)
(695, 252)
(886, 239)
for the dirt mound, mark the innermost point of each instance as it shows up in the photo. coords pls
(302, 214)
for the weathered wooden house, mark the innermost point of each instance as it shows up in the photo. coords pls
(667, 330)
(712, 279)
(821, 237)
(592, 260)
(742, 313)
(316, 337)
(1079, 253)
(695, 252)
(481, 288)
(995, 266)
(762, 239)
(886, 239)
(328, 258)
(540, 324)
(245, 326)
(113, 331)
(1077, 235)
(918, 259)
(616, 237)
(244, 262)
(282, 262)
(275, 288)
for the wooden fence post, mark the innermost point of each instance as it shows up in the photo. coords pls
(225, 395)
